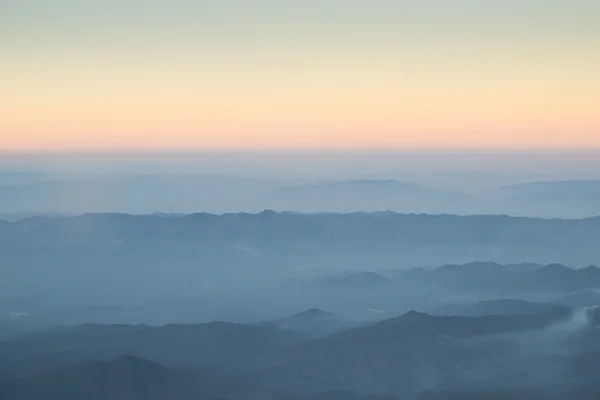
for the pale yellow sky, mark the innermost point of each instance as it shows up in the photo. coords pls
(354, 74)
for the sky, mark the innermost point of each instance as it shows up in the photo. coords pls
(128, 75)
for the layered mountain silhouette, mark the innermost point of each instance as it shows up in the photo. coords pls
(219, 344)
(404, 352)
(132, 378)
(508, 278)
(574, 186)
(570, 198)
(124, 378)
(406, 355)
(580, 298)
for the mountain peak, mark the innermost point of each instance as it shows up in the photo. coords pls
(557, 268)
(378, 182)
(412, 315)
(591, 268)
(314, 313)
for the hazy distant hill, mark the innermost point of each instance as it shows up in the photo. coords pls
(580, 298)
(573, 187)
(369, 195)
(553, 198)
(137, 194)
(455, 193)
(525, 278)
(501, 307)
(351, 281)
(181, 193)
(313, 322)
(13, 177)
(11, 217)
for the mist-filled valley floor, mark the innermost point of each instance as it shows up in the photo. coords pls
(307, 306)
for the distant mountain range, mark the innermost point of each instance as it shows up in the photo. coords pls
(184, 194)
(482, 276)
(370, 195)
(139, 194)
(44, 193)
(11, 217)
(555, 198)
(578, 187)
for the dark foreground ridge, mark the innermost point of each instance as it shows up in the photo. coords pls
(413, 356)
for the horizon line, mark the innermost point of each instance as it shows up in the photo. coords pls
(271, 211)
(343, 150)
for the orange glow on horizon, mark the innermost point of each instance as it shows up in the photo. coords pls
(391, 77)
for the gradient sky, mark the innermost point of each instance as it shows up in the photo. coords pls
(264, 74)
